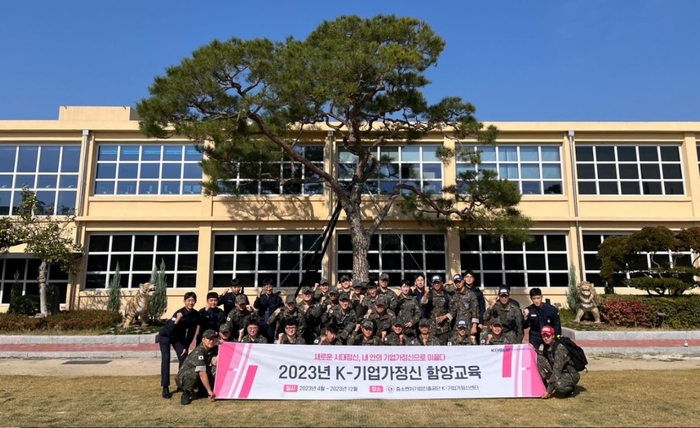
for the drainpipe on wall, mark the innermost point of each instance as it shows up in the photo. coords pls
(579, 247)
(80, 197)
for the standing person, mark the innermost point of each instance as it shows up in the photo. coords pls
(179, 332)
(267, 303)
(463, 305)
(503, 308)
(228, 298)
(556, 366)
(384, 289)
(406, 307)
(538, 315)
(437, 303)
(199, 368)
(470, 282)
(210, 317)
(418, 291)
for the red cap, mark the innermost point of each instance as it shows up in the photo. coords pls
(547, 330)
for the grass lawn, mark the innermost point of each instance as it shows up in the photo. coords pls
(624, 398)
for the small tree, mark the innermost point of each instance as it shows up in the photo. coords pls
(46, 237)
(629, 253)
(115, 288)
(15, 293)
(572, 291)
(158, 303)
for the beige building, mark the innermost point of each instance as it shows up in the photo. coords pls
(138, 202)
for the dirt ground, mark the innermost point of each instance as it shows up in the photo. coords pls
(151, 366)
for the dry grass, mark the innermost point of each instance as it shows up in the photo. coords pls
(631, 398)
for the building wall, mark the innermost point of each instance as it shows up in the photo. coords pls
(567, 222)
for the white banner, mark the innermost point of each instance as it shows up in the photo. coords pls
(307, 372)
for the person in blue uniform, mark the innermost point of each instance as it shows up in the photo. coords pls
(538, 315)
(179, 332)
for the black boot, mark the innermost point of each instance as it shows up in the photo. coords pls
(571, 393)
(166, 392)
(185, 399)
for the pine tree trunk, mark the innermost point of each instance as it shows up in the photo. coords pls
(42, 288)
(360, 245)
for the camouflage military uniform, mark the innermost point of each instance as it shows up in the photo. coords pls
(388, 293)
(382, 322)
(298, 340)
(457, 340)
(463, 305)
(511, 317)
(556, 368)
(438, 304)
(361, 340)
(344, 321)
(237, 320)
(197, 361)
(502, 340)
(370, 302)
(276, 321)
(312, 319)
(392, 339)
(259, 339)
(408, 309)
(432, 340)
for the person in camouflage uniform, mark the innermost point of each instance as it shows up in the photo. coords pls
(406, 307)
(290, 311)
(426, 337)
(464, 305)
(225, 333)
(496, 336)
(437, 303)
(384, 289)
(508, 313)
(253, 336)
(397, 336)
(290, 336)
(356, 297)
(330, 337)
(381, 316)
(237, 319)
(344, 285)
(370, 298)
(367, 336)
(343, 317)
(321, 294)
(197, 370)
(461, 337)
(312, 311)
(555, 366)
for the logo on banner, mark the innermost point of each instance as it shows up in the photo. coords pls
(389, 389)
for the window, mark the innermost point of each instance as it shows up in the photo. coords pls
(253, 257)
(629, 170)
(591, 242)
(137, 256)
(401, 255)
(543, 262)
(286, 170)
(416, 165)
(535, 169)
(27, 271)
(49, 170)
(148, 169)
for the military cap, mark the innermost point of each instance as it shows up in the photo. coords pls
(210, 334)
(424, 322)
(290, 299)
(397, 321)
(241, 298)
(344, 296)
(368, 324)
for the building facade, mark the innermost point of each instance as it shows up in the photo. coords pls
(138, 202)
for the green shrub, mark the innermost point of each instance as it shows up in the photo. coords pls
(24, 305)
(115, 288)
(158, 303)
(63, 321)
(681, 312)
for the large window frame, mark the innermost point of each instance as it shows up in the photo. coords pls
(400, 254)
(416, 164)
(28, 269)
(631, 169)
(49, 169)
(154, 169)
(253, 257)
(537, 169)
(541, 263)
(137, 257)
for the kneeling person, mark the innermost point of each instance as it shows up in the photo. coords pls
(496, 335)
(197, 370)
(253, 336)
(556, 366)
(462, 336)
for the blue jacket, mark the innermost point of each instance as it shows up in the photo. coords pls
(266, 305)
(546, 314)
(184, 331)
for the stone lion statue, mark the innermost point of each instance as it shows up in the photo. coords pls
(137, 306)
(588, 301)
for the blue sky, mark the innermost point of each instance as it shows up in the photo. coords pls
(558, 60)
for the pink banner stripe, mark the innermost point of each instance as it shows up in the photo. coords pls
(232, 372)
(241, 368)
(507, 361)
(518, 363)
(535, 384)
(225, 356)
(248, 382)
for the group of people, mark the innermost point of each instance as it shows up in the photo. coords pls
(364, 314)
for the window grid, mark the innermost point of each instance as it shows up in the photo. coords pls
(416, 165)
(591, 241)
(629, 170)
(536, 169)
(138, 254)
(286, 169)
(541, 263)
(49, 170)
(251, 258)
(28, 274)
(148, 169)
(401, 255)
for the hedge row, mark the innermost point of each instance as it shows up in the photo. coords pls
(63, 321)
(680, 313)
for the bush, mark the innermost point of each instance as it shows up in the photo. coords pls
(63, 321)
(681, 312)
(24, 305)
